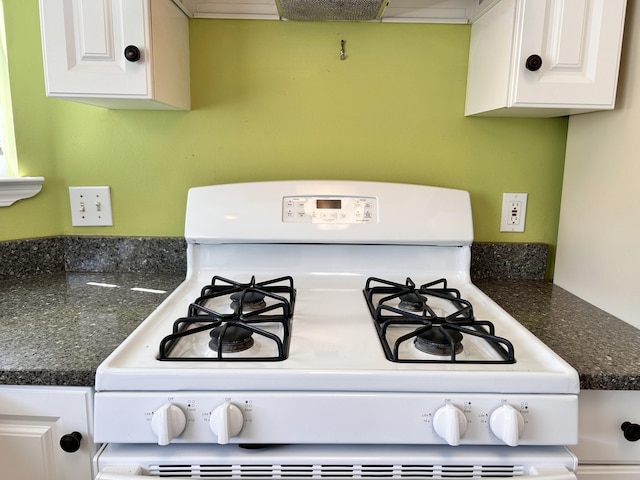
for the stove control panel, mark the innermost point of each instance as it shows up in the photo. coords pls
(339, 417)
(329, 209)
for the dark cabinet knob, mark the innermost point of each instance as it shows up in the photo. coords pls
(533, 63)
(132, 53)
(631, 431)
(71, 442)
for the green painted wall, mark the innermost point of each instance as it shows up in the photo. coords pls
(272, 100)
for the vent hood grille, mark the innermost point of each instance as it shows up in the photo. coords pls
(404, 11)
(332, 10)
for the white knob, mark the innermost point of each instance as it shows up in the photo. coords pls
(168, 422)
(507, 424)
(450, 423)
(226, 422)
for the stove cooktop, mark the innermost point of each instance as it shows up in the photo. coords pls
(334, 346)
(238, 321)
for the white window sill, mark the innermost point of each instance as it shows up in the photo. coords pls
(13, 189)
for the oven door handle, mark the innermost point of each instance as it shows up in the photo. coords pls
(537, 473)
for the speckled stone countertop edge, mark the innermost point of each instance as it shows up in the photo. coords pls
(56, 329)
(59, 378)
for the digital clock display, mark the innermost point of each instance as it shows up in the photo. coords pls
(329, 203)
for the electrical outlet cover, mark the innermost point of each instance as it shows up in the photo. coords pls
(514, 211)
(90, 206)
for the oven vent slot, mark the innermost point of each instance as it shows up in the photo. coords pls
(304, 472)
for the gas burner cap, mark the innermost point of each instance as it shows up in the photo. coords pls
(235, 339)
(412, 302)
(435, 342)
(252, 300)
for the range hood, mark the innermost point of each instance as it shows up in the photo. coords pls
(331, 10)
(414, 11)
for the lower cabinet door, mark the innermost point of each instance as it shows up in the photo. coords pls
(46, 433)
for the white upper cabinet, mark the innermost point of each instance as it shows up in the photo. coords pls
(545, 58)
(130, 54)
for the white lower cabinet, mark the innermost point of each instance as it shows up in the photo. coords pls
(605, 451)
(121, 54)
(37, 425)
(545, 58)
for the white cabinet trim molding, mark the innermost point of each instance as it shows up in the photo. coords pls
(13, 189)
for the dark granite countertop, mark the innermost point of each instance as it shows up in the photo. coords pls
(603, 349)
(55, 329)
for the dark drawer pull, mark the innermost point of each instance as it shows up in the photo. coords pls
(71, 442)
(631, 431)
(132, 53)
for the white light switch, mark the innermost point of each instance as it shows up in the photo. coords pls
(90, 206)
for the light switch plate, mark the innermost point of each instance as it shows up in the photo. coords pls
(90, 206)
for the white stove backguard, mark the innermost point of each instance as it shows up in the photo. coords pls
(258, 213)
(332, 388)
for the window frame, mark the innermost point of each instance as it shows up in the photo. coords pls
(12, 186)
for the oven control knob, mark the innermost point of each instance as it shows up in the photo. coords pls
(168, 422)
(226, 422)
(450, 423)
(507, 424)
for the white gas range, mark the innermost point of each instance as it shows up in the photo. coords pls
(316, 314)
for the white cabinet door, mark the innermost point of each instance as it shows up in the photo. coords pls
(579, 44)
(84, 42)
(91, 59)
(603, 451)
(33, 421)
(545, 57)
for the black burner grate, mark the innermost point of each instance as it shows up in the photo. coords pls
(249, 316)
(382, 298)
